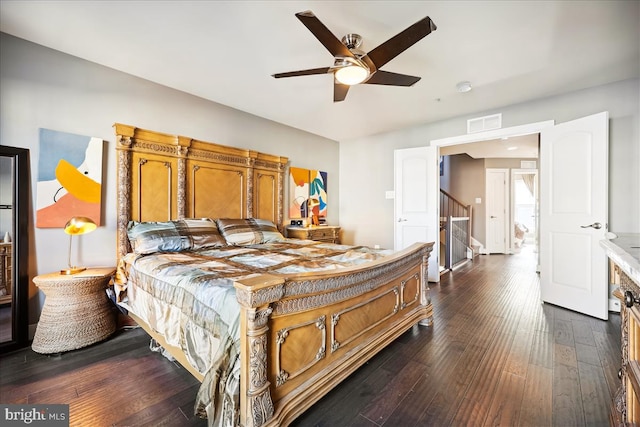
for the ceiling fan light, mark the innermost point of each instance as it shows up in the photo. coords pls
(351, 75)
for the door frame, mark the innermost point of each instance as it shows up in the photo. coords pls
(526, 129)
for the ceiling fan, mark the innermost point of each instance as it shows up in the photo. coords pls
(353, 66)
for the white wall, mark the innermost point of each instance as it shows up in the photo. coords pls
(366, 164)
(43, 88)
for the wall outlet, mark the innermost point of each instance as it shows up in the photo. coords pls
(478, 200)
(614, 305)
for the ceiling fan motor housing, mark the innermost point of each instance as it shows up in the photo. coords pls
(352, 41)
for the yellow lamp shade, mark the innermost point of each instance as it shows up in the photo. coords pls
(79, 225)
(76, 226)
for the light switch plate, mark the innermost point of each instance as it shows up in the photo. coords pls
(390, 194)
(478, 200)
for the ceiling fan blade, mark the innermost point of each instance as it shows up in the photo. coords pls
(391, 79)
(323, 70)
(401, 42)
(339, 92)
(322, 33)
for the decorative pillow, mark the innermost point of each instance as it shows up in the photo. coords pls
(249, 231)
(173, 236)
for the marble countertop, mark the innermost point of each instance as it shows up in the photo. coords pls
(624, 250)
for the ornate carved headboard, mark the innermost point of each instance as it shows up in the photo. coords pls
(163, 177)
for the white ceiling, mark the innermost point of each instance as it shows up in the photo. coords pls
(226, 51)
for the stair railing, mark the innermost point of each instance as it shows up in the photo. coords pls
(457, 219)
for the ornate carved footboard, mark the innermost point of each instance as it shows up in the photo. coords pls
(302, 337)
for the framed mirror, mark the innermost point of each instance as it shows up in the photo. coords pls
(14, 247)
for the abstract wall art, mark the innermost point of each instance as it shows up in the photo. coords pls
(307, 193)
(318, 192)
(69, 178)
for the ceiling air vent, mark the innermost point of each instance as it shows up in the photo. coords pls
(484, 123)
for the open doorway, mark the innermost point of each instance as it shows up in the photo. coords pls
(512, 148)
(466, 178)
(524, 188)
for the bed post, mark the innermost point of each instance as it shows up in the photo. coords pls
(255, 295)
(124, 139)
(425, 292)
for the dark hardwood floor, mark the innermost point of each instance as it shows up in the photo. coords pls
(494, 356)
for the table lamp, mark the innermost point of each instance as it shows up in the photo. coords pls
(76, 226)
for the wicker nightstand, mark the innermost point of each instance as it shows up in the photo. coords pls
(76, 312)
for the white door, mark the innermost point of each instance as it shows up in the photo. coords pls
(416, 194)
(497, 197)
(573, 214)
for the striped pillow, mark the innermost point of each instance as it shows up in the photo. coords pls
(173, 236)
(249, 231)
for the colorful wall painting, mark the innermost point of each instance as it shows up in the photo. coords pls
(307, 193)
(298, 192)
(318, 191)
(69, 178)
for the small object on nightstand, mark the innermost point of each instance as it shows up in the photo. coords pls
(76, 312)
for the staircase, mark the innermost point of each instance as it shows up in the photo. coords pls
(455, 231)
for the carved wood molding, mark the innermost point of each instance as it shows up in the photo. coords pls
(381, 274)
(251, 185)
(182, 188)
(252, 298)
(621, 395)
(124, 196)
(258, 395)
(626, 284)
(335, 318)
(281, 336)
(403, 286)
(425, 293)
(219, 158)
(333, 289)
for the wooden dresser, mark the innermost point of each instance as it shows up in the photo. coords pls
(624, 259)
(322, 233)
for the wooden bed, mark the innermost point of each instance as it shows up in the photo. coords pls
(299, 336)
